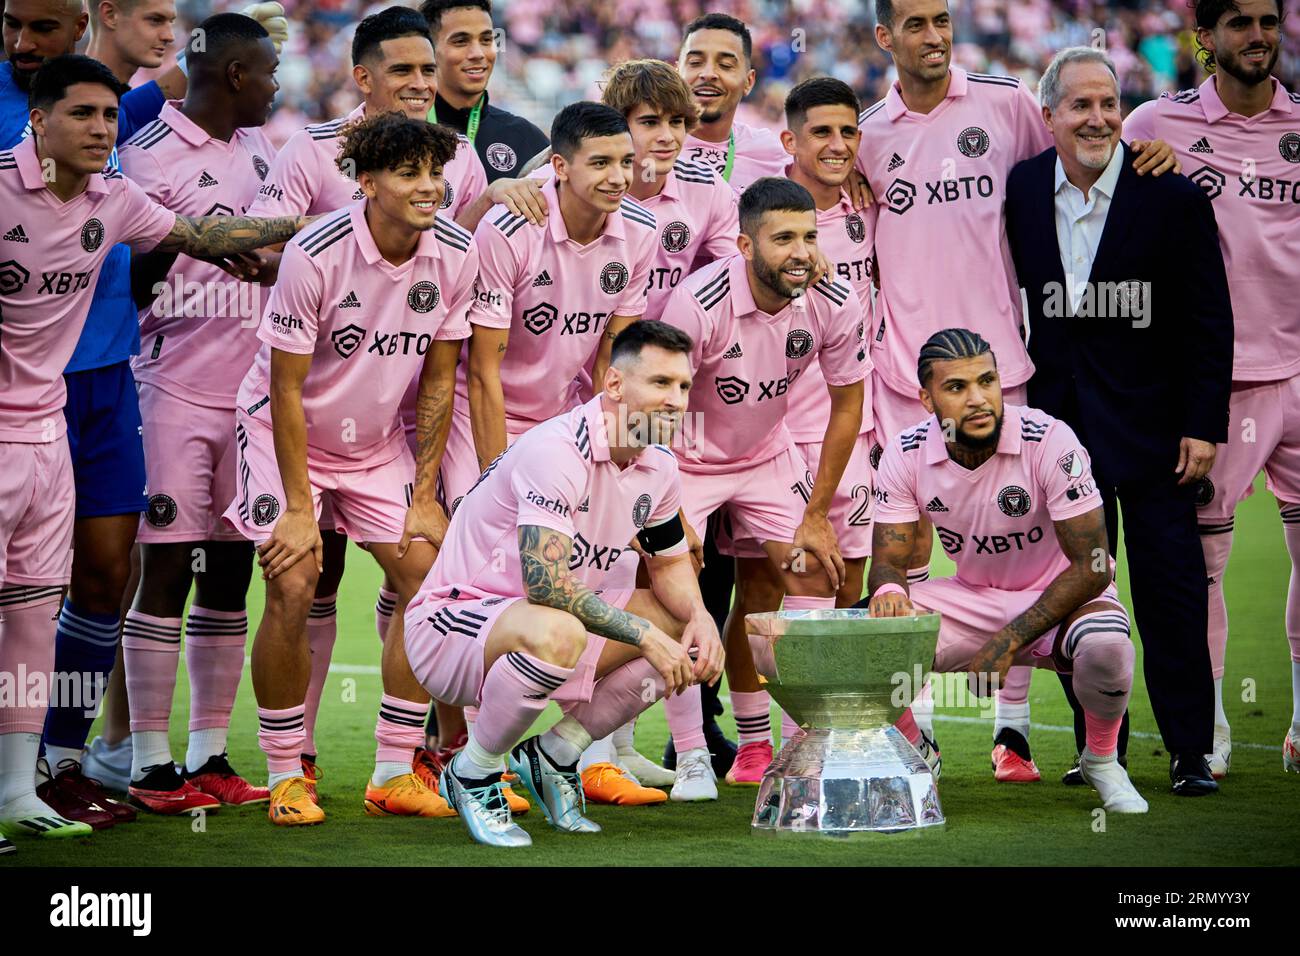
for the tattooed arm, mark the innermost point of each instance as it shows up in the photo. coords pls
(425, 517)
(221, 237)
(891, 550)
(1083, 539)
(614, 325)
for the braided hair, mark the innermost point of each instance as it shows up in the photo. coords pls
(947, 346)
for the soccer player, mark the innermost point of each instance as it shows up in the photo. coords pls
(317, 419)
(1239, 135)
(758, 321)
(936, 151)
(72, 212)
(205, 155)
(513, 614)
(1023, 520)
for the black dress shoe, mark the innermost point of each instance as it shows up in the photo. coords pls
(1074, 777)
(1191, 775)
(722, 752)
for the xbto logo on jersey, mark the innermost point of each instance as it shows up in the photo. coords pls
(731, 390)
(539, 318)
(400, 342)
(260, 167)
(423, 297)
(900, 196)
(347, 339)
(613, 278)
(641, 511)
(265, 509)
(501, 157)
(586, 554)
(855, 227)
(1289, 147)
(161, 511)
(973, 142)
(92, 235)
(1013, 501)
(676, 236)
(951, 540)
(12, 276)
(1210, 180)
(219, 209)
(61, 283)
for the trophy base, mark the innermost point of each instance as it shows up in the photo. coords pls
(841, 782)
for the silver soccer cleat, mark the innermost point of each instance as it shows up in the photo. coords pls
(558, 792)
(484, 810)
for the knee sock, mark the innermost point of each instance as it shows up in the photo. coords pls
(322, 631)
(399, 730)
(515, 692)
(617, 697)
(151, 648)
(623, 738)
(27, 636)
(565, 741)
(752, 711)
(917, 575)
(385, 604)
(18, 754)
(1291, 531)
(1220, 718)
(685, 713)
(85, 644)
(280, 735)
(214, 660)
(1216, 544)
(1101, 652)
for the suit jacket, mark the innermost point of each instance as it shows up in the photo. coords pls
(1149, 359)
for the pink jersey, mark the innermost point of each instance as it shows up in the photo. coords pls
(559, 476)
(556, 297)
(845, 237)
(758, 153)
(199, 336)
(994, 521)
(1250, 169)
(745, 361)
(367, 325)
(941, 239)
(52, 254)
(698, 220)
(305, 181)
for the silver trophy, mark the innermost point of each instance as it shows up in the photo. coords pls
(845, 677)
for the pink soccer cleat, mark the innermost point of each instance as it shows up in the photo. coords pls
(752, 759)
(1009, 766)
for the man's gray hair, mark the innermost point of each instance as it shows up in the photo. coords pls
(1050, 91)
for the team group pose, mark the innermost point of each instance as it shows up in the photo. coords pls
(568, 388)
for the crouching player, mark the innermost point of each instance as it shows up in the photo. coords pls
(1011, 494)
(512, 614)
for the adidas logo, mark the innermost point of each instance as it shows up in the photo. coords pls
(16, 234)
(936, 505)
(733, 352)
(206, 180)
(1202, 145)
(543, 279)
(350, 301)
(894, 162)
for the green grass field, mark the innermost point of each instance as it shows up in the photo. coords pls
(1255, 820)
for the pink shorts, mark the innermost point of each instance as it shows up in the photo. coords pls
(189, 454)
(971, 615)
(368, 505)
(764, 502)
(1263, 433)
(894, 412)
(460, 467)
(37, 508)
(445, 642)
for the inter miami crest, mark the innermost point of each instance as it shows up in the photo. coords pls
(161, 511)
(1204, 492)
(676, 236)
(798, 343)
(92, 235)
(265, 510)
(641, 511)
(260, 167)
(1013, 501)
(613, 278)
(448, 197)
(1071, 465)
(973, 142)
(501, 157)
(347, 339)
(423, 297)
(857, 230)
(874, 457)
(1289, 147)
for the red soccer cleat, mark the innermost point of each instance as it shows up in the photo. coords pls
(64, 801)
(218, 779)
(1010, 767)
(71, 778)
(166, 792)
(752, 759)
(311, 775)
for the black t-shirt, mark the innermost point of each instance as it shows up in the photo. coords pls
(505, 142)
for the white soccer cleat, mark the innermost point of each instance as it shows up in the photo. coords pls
(1110, 780)
(644, 770)
(110, 765)
(1220, 757)
(28, 814)
(1291, 752)
(695, 777)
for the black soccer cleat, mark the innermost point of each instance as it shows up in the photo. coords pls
(1191, 777)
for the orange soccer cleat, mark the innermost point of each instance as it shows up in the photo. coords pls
(292, 805)
(607, 783)
(406, 796)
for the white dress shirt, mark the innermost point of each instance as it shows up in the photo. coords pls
(1080, 221)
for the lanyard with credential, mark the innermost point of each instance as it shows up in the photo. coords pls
(471, 126)
(731, 155)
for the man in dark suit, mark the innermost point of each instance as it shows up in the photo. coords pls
(1130, 332)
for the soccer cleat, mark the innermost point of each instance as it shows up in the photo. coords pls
(607, 783)
(218, 779)
(1220, 756)
(645, 771)
(519, 804)
(752, 759)
(483, 808)
(928, 748)
(64, 798)
(6, 846)
(29, 815)
(406, 795)
(292, 806)
(312, 774)
(722, 751)
(164, 791)
(1118, 795)
(1012, 762)
(92, 791)
(426, 765)
(695, 778)
(110, 764)
(1291, 752)
(1190, 775)
(558, 791)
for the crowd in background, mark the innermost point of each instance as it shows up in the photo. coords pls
(554, 51)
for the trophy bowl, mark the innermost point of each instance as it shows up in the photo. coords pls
(845, 677)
